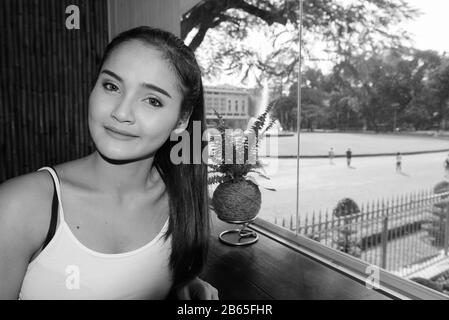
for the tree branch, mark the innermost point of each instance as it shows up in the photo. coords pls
(204, 16)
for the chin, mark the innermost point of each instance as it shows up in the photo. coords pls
(116, 150)
(116, 155)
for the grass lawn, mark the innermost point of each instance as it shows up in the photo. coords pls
(360, 143)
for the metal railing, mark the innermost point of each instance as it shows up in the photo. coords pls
(401, 235)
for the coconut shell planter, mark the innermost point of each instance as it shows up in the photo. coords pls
(237, 201)
(237, 198)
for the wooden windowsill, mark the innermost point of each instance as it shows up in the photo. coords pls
(269, 270)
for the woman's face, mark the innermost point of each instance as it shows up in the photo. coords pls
(135, 103)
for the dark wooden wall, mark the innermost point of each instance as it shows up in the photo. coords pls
(46, 74)
(164, 14)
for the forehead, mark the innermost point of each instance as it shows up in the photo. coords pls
(138, 63)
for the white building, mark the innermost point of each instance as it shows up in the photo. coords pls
(231, 102)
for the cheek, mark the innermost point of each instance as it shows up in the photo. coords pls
(97, 113)
(158, 126)
(97, 104)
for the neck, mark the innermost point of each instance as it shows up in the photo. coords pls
(122, 178)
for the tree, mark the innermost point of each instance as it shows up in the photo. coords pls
(416, 116)
(439, 88)
(332, 19)
(347, 27)
(210, 14)
(404, 88)
(417, 112)
(285, 112)
(386, 91)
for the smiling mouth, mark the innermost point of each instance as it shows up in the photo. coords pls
(119, 133)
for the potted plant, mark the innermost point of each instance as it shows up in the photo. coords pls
(237, 198)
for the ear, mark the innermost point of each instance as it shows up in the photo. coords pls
(182, 124)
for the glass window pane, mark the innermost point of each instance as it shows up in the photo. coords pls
(370, 129)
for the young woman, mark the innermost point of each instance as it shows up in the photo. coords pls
(123, 222)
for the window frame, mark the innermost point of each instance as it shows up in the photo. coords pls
(389, 284)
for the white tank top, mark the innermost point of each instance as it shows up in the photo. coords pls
(66, 269)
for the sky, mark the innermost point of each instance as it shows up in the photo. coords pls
(430, 29)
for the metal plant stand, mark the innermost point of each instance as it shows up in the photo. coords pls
(239, 237)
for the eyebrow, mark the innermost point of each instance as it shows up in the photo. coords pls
(146, 85)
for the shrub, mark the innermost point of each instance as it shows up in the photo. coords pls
(436, 225)
(345, 241)
(441, 187)
(346, 206)
(428, 283)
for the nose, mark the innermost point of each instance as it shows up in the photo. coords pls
(123, 111)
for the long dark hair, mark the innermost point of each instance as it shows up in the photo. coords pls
(186, 183)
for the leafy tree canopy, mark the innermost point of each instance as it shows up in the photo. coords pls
(218, 30)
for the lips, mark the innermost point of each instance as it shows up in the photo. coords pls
(116, 131)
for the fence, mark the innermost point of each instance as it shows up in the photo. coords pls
(401, 235)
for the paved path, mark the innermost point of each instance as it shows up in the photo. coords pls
(322, 185)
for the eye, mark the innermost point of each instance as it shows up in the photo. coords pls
(153, 101)
(110, 86)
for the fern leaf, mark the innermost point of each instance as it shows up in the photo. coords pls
(215, 180)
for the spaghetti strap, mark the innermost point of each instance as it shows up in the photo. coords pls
(58, 189)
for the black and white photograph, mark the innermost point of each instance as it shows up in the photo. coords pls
(224, 150)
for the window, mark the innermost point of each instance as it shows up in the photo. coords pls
(360, 203)
(360, 192)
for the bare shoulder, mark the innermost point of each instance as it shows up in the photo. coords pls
(75, 173)
(25, 204)
(25, 207)
(26, 191)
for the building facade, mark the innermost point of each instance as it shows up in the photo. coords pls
(231, 102)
